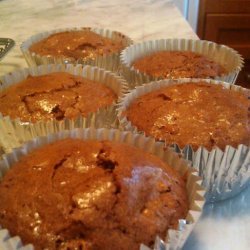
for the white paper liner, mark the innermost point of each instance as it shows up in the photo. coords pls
(9, 243)
(224, 173)
(230, 59)
(175, 239)
(109, 62)
(12, 134)
(7, 140)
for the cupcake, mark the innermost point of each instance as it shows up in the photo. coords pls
(77, 44)
(179, 58)
(198, 114)
(178, 64)
(96, 189)
(97, 47)
(58, 92)
(207, 115)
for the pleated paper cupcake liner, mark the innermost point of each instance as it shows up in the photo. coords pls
(224, 173)
(104, 117)
(8, 138)
(109, 62)
(10, 243)
(230, 59)
(175, 239)
(14, 133)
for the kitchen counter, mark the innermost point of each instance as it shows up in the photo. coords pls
(141, 20)
(224, 225)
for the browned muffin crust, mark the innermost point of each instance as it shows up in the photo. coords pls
(54, 96)
(91, 194)
(77, 44)
(178, 64)
(199, 114)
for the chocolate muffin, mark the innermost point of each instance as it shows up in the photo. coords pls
(56, 95)
(198, 114)
(178, 64)
(77, 44)
(76, 194)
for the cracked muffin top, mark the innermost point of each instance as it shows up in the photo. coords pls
(91, 195)
(178, 64)
(198, 114)
(77, 44)
(56, 95)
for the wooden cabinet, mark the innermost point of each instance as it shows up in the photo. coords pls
(228, 22)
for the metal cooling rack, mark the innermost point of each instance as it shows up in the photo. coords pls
(5, 45)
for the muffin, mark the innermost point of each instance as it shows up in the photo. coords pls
(88, 46)
(191, 113)
(57, 95)
(77, 44)
(178, 64)
(76, 194)
(179, 58)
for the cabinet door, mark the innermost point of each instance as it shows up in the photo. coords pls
(210, 7)
(228, 22)
(230, 29)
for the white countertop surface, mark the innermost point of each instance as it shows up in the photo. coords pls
(224, 225)
(140, 19)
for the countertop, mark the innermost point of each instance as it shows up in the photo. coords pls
(224, 225)
(140, 19)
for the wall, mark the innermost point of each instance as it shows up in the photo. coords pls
(189, 9)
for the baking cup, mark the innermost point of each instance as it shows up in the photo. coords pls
(224, 173)
(221, 54)
(8, 138)
(14, 132)
(104, 117)
(175, 239)
(109, 62)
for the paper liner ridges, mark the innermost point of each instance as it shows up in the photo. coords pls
(9, 243)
